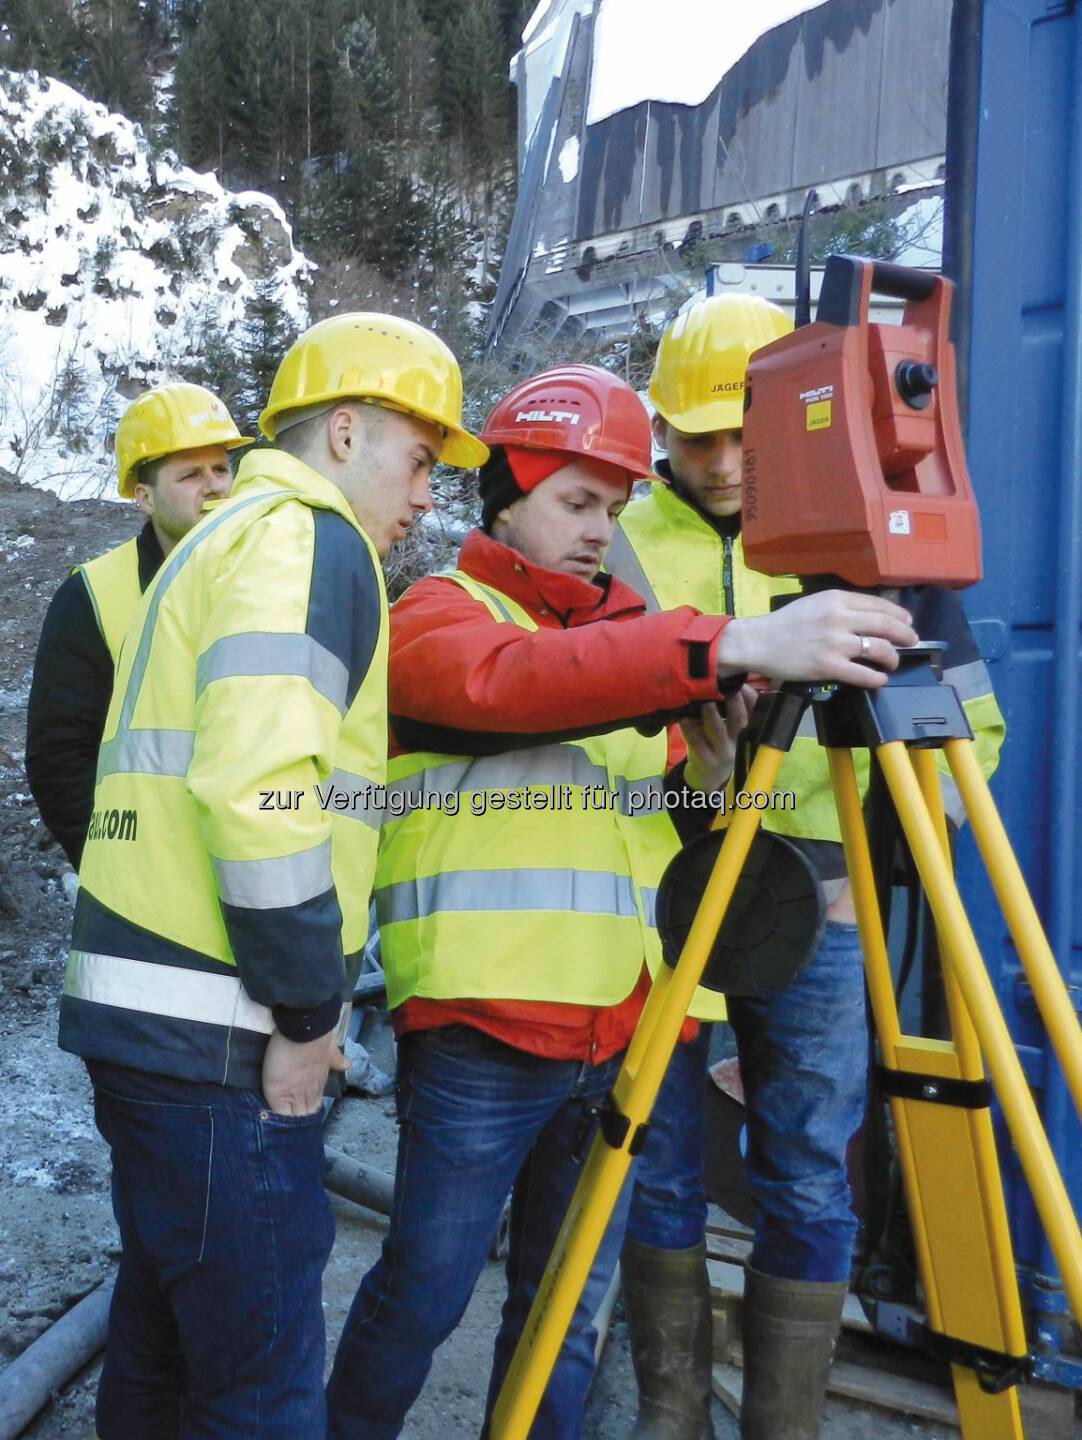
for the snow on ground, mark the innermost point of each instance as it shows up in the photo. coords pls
(678, 57)
(116, 266)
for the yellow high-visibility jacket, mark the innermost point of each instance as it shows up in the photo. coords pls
(221, 879)
(670, 553)
(112, 582)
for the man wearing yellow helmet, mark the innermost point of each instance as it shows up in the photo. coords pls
(803, 1053)
(172, 450)
(242, 755)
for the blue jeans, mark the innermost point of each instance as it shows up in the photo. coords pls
(477, 1118)
(804, 1065)
(668, 1201)
(803, 1062)
(216, 1328)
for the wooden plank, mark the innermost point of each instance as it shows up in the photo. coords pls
(727, 1282)
(727, 1247)
(894, 1392)
(725, 1318)
(1047, 1412)
(727, 1383)
(720, 1222)
(853, 1382)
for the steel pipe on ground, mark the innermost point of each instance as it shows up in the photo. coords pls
(44, 1367)
(353, 1180)
(374, 1189)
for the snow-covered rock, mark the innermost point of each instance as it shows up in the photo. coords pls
(117, 269)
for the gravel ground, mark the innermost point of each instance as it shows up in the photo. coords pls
(57, 1238)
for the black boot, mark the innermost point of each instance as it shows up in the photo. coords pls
(790, 1327)
(667, 1301)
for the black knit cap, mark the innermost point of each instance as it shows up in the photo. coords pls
(497, 485)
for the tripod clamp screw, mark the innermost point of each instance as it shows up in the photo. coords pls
(614, 1126)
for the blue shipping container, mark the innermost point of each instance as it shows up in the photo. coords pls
(1015, 233)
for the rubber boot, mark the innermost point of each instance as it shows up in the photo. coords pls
(790, 1327)
(667, 1302)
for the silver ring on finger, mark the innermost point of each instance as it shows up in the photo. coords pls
(865, 646)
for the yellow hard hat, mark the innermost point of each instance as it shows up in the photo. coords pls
(376, 357)
(167, 419)
(698, 379)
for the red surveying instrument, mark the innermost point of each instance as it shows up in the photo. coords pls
(852, 448)
(854, 473)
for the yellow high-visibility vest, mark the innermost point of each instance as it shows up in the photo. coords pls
(112, 581)
(527, 875)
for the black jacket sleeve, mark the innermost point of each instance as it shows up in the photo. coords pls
(69, 702)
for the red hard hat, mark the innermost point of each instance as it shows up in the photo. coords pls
(578, 409)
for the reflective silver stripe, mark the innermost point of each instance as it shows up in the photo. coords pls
(496, 601)
(111, 758)
(362, 793)
(147, 752)
(647, 794)
(969, 681)
(621, 561)
(275, 654)
(469, 584)
(583, 892)
(274, 884)
(164, 990)
(648, 896)
(539, 766)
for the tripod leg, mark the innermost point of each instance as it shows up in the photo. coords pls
(1000, 1278)
(610, 1155)
(1040, 966)
(947, 1159)
(963, 956)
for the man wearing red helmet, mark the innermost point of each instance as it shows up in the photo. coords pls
(526, 826)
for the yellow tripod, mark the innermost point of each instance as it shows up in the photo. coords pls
(939, 1096)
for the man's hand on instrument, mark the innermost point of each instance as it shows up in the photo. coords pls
(711, 740)
(837, 635)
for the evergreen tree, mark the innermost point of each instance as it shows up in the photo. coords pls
(513, 16)
(39, 35)
(352, 206)
(101, 47)
(283, 98)
(182, 16)
(113, 64)
(342, 110)
(214, 94)
(407, 47)
(266, 335)
(474, 90)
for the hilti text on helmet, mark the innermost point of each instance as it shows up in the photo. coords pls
(553, 417)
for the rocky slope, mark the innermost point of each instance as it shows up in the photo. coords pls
(119, 268)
